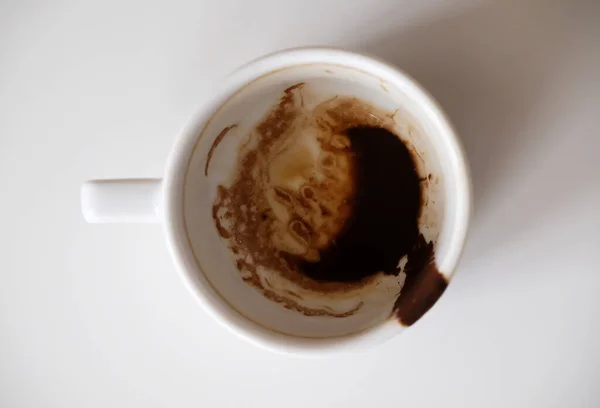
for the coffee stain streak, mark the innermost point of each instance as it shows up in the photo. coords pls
(293, 305)
(289, 89)
(218, 140)
(423, 286)
(384, 88)
(299, 86)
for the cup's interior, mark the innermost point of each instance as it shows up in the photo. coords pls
(412, 122)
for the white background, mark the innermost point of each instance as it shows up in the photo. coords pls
(96, 316)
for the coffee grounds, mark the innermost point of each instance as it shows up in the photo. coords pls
(377, 209)
(384, 222)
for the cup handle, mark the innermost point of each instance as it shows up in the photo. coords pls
(121, 201)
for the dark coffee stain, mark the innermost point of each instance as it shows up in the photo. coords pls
(383, 225)
(423, 286)
(214, 146)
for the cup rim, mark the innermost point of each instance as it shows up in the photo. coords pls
(190, 271)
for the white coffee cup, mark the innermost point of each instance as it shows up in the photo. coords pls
(182, 200)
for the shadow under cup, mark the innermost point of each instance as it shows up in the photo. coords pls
(215, 158)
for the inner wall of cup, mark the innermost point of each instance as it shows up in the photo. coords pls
(244, 110)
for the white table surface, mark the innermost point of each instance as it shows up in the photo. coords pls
(96, 316)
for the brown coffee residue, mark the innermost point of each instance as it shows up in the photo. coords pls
(329, 198)
(423, 286)
(218, 140)
(276, 202)
(382, 226)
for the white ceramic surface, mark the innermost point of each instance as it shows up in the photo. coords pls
(183, 200)
(97, 316)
